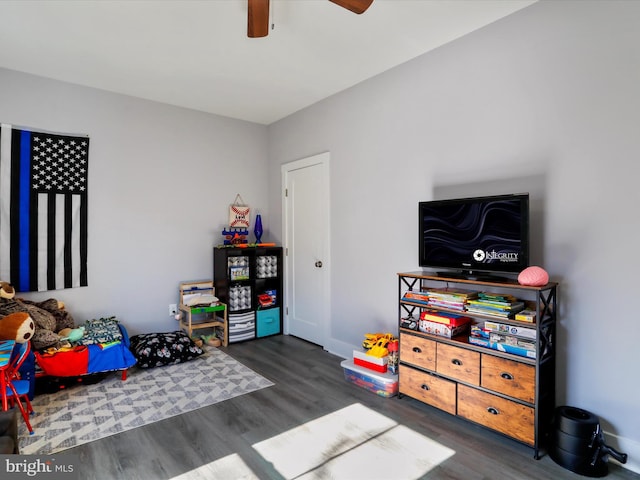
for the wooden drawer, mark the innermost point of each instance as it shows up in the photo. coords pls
(508, 377)
(458, 363)
(511, 418)
(435, 391)
(418, 351)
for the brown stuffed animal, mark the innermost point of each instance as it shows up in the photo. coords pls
(45, 322)
(48, 316)
(56, 308)
(17, 326)
(6, 290)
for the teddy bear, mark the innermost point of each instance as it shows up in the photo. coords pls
(48, 316)
(17, 326)
(7, 290)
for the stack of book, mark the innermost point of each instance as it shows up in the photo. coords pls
(444, 324)
(451, 298)
(497, 305)
(505, 338)
(416, 297)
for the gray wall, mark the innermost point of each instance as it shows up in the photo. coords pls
(546, 101)
(161, 180)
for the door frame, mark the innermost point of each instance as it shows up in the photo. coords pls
(322, 159)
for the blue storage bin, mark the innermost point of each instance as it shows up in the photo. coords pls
(268, 322)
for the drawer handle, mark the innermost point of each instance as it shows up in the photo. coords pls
(506, 376)
(417, 350)
(455, 361)
(425, 387)
(493, 411)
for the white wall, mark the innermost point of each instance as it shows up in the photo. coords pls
(161, 180)
(546, 98)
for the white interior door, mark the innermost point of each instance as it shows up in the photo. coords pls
(305, 214)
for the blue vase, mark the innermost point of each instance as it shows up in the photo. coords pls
(257, 229)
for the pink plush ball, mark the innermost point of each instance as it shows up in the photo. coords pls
(533, 277)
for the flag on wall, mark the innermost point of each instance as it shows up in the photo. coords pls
(43, 209)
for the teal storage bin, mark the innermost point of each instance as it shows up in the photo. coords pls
(268, 322)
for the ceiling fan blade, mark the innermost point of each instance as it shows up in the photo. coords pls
(258, 18)
(356, 6)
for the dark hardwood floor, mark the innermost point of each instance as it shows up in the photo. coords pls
(309, 383)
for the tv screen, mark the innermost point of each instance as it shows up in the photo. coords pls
(481, 234)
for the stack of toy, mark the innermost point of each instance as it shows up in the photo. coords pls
(375, 367)
(376, 354)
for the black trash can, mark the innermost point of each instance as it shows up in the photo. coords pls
(578, 443)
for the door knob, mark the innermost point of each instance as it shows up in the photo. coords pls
(319, 264)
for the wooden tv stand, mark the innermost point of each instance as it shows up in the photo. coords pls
(508, 393)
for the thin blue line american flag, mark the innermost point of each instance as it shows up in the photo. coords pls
(43, 209)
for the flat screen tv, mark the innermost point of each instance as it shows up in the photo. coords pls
(475, 237)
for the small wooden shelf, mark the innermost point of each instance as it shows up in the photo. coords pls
(199, 317)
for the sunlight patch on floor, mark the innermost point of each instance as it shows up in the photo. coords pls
(355, 443)
(231, 466)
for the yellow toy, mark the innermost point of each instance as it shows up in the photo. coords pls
(376, 343)
(370, 339)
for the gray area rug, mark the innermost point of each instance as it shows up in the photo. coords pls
(85, 413)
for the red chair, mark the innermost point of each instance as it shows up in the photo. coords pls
(17, 389)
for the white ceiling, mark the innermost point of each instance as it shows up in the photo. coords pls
(196, 54)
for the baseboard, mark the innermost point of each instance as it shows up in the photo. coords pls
(340, 348)
(625, 445)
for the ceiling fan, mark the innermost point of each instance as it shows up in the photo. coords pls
(258, 18)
